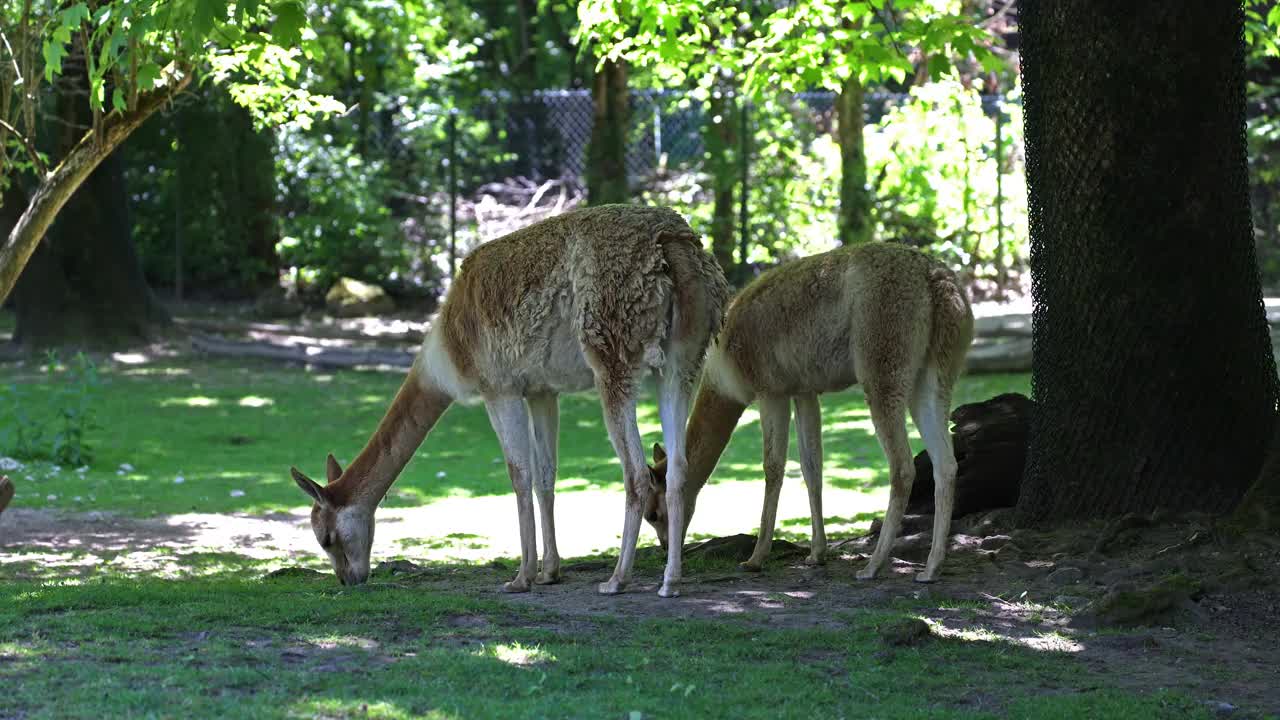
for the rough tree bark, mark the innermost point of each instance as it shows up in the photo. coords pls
(854, 221)
(57, 187)
(1153, 372)
(607, 151)
(84, 287)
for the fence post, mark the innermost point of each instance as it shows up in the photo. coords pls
(999, 183)
(743, 217)
(451, 126)
(177, 209)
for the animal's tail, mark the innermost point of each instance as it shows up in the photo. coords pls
(951, 329)
(700, 292)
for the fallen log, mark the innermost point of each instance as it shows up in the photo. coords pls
(990, 440)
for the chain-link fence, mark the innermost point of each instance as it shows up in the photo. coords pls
(509, 162)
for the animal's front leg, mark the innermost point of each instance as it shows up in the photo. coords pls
(544, 427)
(511, 422)
(775, 422)
(620, 419)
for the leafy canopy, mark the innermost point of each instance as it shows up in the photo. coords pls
(131, 46)
(790, 47)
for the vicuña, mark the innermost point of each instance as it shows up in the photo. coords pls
(882, 315)
(602, 297)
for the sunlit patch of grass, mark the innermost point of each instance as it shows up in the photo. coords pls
(224, 426)
(518, 654)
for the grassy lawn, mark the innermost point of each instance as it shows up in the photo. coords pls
(225, 640)
(303, 647)
(219, 436)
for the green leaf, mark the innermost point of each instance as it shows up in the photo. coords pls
(53, 53)
(148, 74)
(286, 31)
(205, 14)
(118, 101)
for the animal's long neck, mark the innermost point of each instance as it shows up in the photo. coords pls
(711, 424)
(416, 408)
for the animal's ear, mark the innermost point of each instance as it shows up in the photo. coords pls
(659, 453)
(332, 469)
(309, 487)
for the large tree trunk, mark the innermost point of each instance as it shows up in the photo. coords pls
(56, 188)
(720, 136)
(854, 221)
(1260, 508)
(607, 152)
(1152, 371)
(84, 287)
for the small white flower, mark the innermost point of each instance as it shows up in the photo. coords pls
(78, 498)
(441, 474)
(55, 469)
(126, 467)
(179, 480)
(82, 469)
(51, 498)
(8, 463)
(120, 473)
(237, 493)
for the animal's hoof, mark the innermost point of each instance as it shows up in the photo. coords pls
(519, 585)
(866, 574)
(668, 591)
(749, 566)
(816, 560)
(926, 577)
(611, 587)
(547, 578)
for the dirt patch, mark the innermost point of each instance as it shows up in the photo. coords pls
(1151, 603)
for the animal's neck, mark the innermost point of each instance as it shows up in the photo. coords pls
(711, 424)
(416, 408)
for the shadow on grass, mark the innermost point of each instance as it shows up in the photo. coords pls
(301, 646)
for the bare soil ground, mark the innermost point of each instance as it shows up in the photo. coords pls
(1152, 602)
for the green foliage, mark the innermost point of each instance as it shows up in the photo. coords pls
(792, 46)
(49, 422)
(206, 179)
(931, 161)
(335, 217)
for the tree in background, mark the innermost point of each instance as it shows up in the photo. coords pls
(841, 46)
(607, 152)
(117, 63)
(1153, 372)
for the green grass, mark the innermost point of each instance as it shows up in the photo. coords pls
(231, 430)
(224, 642)
(303, 647)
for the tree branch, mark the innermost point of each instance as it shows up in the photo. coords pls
(30, 147)
(57, 187)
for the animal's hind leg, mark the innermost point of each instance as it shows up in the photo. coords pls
(674, 393)
(775, 423)
(809, 437)
(930, 408)
(889, 415)
(511, 422)
(544, 431)
(624, 433)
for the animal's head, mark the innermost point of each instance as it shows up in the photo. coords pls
(655, 510)
(344, 529)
